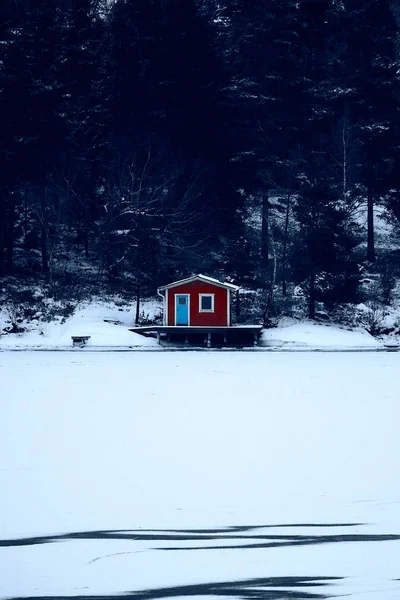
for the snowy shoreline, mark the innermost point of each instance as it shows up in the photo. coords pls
(107, 327)
(278, 349)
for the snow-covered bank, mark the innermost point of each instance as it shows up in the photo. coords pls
(108, 325)
(310, 335)
(303, 447)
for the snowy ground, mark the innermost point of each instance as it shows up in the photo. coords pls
(108, 325)
(249, 475)
(310, 335)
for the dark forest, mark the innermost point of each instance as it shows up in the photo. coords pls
(142, 141)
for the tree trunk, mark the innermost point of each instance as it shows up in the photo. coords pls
(1, 254)
(25, 220)
(345, 143)
(370, 222)
(7, 224)
(285, 244)
(86, 242)
(265, 231)
(137, 316)
(10, 235)
(311, 297)
(270, 295)
(237, 306)
(43, 231)
(10, 249)
(2, 234)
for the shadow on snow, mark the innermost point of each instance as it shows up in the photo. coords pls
(247, 536)
(234, 538)
(252, 589)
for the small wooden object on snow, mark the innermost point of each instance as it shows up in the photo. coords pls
(79, 340)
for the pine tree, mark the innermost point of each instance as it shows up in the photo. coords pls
(31, 96)
(323, 251)
(163, 94)
(85, 153)
(371, 66)
(266, 95)
(323, 260)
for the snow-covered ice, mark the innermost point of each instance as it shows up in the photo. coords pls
(124, 472)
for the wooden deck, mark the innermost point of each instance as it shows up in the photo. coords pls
(210, 337)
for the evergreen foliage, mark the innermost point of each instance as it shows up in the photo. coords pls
(147, 139)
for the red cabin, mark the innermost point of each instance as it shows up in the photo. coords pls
(197, 301)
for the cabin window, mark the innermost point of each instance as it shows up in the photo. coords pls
(206, 303)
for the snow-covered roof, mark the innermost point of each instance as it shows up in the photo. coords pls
(200, 277)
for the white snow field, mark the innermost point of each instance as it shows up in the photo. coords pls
(235, 474)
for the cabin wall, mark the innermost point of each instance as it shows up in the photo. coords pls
(206, 319)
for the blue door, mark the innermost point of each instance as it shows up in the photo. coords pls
(182, 309)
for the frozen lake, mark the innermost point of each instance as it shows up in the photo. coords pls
(252, 475)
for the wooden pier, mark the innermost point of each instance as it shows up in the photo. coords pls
(207, 337)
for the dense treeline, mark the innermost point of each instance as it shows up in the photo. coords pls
(147, 139)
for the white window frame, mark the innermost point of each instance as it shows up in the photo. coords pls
(206, 310)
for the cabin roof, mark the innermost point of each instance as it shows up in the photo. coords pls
(200, 277)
